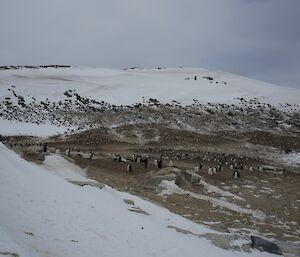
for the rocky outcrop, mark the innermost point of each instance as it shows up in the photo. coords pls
(191, 176)
(154, 178)
(265, 245)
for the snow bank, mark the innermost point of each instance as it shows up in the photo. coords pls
(43, 215)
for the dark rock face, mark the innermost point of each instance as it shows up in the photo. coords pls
(265, 245)
(33, 67)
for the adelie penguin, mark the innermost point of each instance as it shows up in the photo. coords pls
(129, 168)
(91, 155)
(236, 174)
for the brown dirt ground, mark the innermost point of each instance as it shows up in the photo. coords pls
(278, 196)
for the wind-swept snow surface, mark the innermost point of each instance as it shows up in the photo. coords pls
(43, 215)
(9, 128)
(130, 86)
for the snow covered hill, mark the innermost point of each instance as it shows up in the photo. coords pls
(41, 214)
(131, 85)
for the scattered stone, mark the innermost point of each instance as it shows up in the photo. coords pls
(41, 156)
(138, 210)
(246, 248)
(9, 254)
(92, 183)
(128, 201)
(28, 233)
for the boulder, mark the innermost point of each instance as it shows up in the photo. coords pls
(265, 245)
(41, 156)
(154, 181)
(191, 176)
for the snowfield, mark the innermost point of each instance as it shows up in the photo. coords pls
(43, 215)
(130, 86)
(10, 128)
(126, 87)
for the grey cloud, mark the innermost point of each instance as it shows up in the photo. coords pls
(256, 38)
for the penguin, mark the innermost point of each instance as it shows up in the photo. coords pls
(91, 155)
(129, 168)
(236, 174)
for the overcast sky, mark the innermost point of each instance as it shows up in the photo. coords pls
(256, 38)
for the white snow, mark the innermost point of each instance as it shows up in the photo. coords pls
(41, 214)
(130, 86)
(169, 187)
(10, 128)
(65, 169)
(293, 159)
(214, 189)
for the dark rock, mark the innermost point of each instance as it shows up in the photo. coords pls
(265, 245)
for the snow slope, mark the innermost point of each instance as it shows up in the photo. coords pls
(130, 86)
(43, 215)
(61, 167)
(9, 128)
